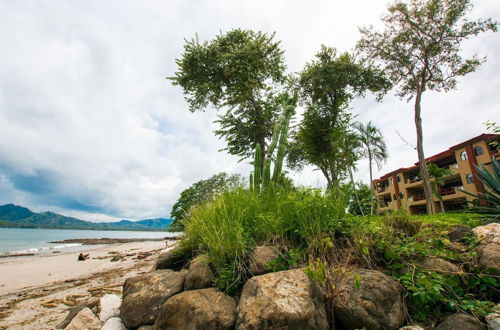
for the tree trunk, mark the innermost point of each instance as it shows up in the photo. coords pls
(371, 181)
(442, 205)
(426, 182)
(355, 194)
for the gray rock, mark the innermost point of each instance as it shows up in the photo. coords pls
(109, 306)
(370, 299)
(488, 233)
(412, 327)
(493, 319)
(490, 258)
(282, 300)
(144, 295)
(146, 327)
(198, 310)
(462, 322)
(439, 265)
(459, 233)
(90, 303)
(173, 259)
(85, 319)
(199, 275)
(260, 259)
(113, 323)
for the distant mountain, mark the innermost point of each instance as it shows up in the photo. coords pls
(14, 216)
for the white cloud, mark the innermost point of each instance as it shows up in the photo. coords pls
(89, 120)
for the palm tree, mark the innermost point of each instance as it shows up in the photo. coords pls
(373, 147)
(438, 174)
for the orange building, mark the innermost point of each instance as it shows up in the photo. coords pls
(403, 188)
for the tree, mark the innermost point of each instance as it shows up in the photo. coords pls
(420, 50)
(200, 192)
(438, 174)
(241, 73)
(373, 146)
(324, 138)
(361, 200)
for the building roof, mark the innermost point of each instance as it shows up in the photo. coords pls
(446, 153)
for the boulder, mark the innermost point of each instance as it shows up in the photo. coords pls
(462, 322)
(282, 300)
(260, 259)
(113, 323)
(488, 233)
(459, 233)
(369, 299)
(198, 310)
(144, 295)
(172, 259)
(439, 265)
(109, 306)
(199, 275)
(493, 319)
(490, 258)
(412, 327)
(85, 319)
(146, 327)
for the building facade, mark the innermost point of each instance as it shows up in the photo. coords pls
(402, 188)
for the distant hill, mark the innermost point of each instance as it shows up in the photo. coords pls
(14, 216)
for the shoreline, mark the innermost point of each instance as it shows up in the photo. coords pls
(38, 291)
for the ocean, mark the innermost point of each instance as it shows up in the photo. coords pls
(24, 240)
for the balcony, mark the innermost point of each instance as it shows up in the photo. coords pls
(381, 189)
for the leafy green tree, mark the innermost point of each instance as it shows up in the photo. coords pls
(438, 174)
(200, 192)
(420, 50)
(324, 138)
(373, 146)
(240, 73)
(361, 200)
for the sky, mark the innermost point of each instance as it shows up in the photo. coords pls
(90, 127)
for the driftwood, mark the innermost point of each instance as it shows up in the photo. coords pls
(91, 303)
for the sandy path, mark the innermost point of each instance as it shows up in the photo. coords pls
(37, 292)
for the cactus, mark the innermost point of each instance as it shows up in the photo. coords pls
(267, 173)
(256, 167)
(251, 181)
(283, 141)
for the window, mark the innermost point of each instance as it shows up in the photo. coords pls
(469, 178)
(394, 197)
(463, 156)
(478, 150)
(392, 180)
(401, 195)
(398, 178)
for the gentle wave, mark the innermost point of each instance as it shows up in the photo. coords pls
(43, 248)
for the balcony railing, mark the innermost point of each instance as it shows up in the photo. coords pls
(418, 197)
(447, 191)
(381, 189)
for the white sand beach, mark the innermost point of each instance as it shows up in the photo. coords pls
(37, 292)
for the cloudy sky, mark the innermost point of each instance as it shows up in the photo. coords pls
(90, 127)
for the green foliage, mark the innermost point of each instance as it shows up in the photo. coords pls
(289, 259)
(316, 270)
(200, 192)
(241, 73)
(324, 138)
(401, 222)
(488, 199)
(361, 199)
(257, 165)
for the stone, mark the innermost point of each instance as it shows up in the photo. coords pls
(260, 259)
(144, 295)
(369, 299)
(488, 233)
(198, 310)
(459, 233)
(439, 265)
(90, 303)
(172, 259)
(412, 327)
(85, 319)
(493, 319)
(113, 323)
(282, 300)
(462, 322)
(109, 306)
(490, 258)
(146, 327)
(199, 275)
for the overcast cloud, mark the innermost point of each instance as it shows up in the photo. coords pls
(90, 127)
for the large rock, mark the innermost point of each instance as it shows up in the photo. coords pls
(493, 319)
(412, 327)
(144, 295)
(113, 323)
(490, 258)
(85, 319)
(369, 299)
(282, 300)
(198, 310)
(459, 233)
(109, 306)
(439, 265)
(488, 233)
(260, 259)
(461, 322)
(199, 275)
(172, 259)
(90, 303)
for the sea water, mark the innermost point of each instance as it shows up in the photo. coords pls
(27, 240)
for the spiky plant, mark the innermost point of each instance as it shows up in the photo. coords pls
(488, 200)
